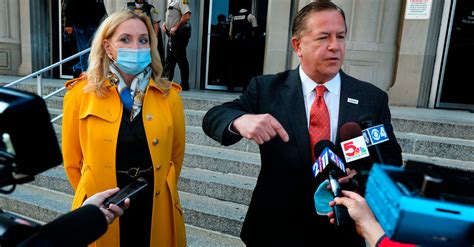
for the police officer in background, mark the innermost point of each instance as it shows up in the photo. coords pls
(243, 29)
(82, 18)
(178, 30)
(142, 6)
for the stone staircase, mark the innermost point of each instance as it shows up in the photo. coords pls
(216, 182)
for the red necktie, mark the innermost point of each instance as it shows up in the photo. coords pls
(319, 123)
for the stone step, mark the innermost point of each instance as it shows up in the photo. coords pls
(440, 147)
(448, 163)
(54, 112)
(193, 117)
(204, 100)
(436, 122)
(35, 202)
(227, 187)
(195, 135)
(49, 85)
(198, 237)
(45, 205)
(55, 102)
(214, 158)
(213, 214)
(205, 150)
(222, 160)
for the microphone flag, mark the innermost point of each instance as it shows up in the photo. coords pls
(327, 157)
(375, 135)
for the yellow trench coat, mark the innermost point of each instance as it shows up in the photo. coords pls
(89, 140)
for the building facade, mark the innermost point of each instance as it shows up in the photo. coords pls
(415, 50)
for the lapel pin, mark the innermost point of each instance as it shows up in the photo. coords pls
(353, 101)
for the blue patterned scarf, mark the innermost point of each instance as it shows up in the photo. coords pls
(132, 97)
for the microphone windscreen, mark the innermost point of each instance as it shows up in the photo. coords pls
(80, 227)
(321, 145)
(365, 121)
(349, 130)
(364, 118)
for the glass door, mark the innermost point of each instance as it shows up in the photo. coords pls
(455, 78)
(235, 43)
(67, 45)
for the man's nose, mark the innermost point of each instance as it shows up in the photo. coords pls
(334, 44)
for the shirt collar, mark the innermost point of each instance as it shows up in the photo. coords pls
(333, 85)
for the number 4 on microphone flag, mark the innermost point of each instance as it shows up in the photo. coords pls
(355, 149)
(375, 135)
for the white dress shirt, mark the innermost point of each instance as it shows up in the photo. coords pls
(331, 97)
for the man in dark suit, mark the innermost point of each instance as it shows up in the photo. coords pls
(281, 212)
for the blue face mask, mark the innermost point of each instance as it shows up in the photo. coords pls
(133, 61)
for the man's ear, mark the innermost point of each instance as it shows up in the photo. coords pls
(296, 44)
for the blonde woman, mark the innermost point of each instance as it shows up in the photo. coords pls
(123, 121)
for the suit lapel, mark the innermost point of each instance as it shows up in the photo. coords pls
(292, 96)
(348, 109)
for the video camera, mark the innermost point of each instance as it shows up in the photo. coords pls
(28, 146)
(28, 138)
(423, 204)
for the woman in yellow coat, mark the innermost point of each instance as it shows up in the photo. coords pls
(123, 121)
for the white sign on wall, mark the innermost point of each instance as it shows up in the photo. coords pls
(418, 9)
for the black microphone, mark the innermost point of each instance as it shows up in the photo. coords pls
(369, 129)
(356, 153)
(329, 165)
(80, 227)
(341, 215)
(327, 160)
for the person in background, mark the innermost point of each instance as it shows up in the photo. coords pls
(143, 6)
(178, 30)
(82, 17)
(123, 121)
(243, 29)
(366, 224)
(287, 114)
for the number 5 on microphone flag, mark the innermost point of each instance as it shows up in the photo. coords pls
(355, 149)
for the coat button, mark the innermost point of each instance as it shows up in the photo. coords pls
(149, 117)
(158, 167)
(157, 193)
(155, 142)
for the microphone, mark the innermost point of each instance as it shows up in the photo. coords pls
(329, 165)
(355, 152)
(343, 219)
(80, 227)
(373, 135)
(327, 160)
(354, 146)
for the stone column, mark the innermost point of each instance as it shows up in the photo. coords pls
(371, 41)
(416, 59)
(278, 31)
(9, 37)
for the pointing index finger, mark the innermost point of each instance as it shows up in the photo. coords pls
(280, 130)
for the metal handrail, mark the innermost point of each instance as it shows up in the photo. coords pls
(40, 83)
(48, 68)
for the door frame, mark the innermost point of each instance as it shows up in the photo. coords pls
(208, 53)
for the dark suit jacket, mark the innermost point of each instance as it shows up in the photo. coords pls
(281, 212)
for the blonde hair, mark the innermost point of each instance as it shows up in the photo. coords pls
(99, 61)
